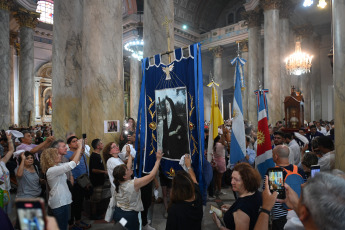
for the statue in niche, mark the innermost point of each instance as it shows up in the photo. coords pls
(49, 106)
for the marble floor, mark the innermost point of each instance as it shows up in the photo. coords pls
(158, 220)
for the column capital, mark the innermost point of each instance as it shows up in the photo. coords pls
(304, 31)
(252, 17)
(270, 4)
(217, 51)
(286, 8)
(243, 45)
(26, 18)
(6, 4)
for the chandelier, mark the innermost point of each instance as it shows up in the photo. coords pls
(299, 62)
(136, 47)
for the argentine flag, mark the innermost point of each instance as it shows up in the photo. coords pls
(263, 159)
(238, 141)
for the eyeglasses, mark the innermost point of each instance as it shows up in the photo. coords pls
(115, 146)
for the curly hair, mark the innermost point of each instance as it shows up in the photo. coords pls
(106, 152)
(48, 158)
(251, 177)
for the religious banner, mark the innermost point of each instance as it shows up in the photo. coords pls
(171, 112)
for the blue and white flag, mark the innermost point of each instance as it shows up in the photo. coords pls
(238, 141)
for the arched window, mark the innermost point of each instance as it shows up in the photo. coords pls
(239, 14)
(46, 9)
(231, 19)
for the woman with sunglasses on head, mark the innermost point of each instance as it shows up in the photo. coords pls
(27, 177)
(127, 192)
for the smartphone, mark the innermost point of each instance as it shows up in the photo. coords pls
(276, 181)
(31, 213)
(314, 169)
(84, 135)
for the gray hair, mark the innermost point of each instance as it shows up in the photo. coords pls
(324, 197)
(56, 143)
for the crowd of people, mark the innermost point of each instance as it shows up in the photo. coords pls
(65, 173)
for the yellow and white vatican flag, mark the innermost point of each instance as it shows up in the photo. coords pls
(215, 121)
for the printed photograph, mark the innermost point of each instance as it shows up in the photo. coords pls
(112, 126)
(172, 120)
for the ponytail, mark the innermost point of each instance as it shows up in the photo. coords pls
(118, 173)
(117, 185)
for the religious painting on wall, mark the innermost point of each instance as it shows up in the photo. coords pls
(172, 135)
(111, 126)
(171, 112)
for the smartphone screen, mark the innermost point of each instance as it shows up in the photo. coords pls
(276, 181)
(30, 214)
(314, 169)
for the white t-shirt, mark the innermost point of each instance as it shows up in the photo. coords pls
(327, 161)
(127, 198)
(4, 176)
(111, 164)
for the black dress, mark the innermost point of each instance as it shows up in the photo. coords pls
(186, 215)
(249, 205)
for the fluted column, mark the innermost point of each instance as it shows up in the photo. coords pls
(217, 74)
(102, 67)
(338, 9)
(245, 93)
(66, 71)
(272, 61)
(285, 50)
(316, 93)
(135, 83)
(5, 65)
(253, 20)
(155, 37)
(27, 21)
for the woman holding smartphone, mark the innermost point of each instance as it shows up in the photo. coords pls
(60, 196)
(127, 192)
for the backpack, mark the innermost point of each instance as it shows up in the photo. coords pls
(294, 180)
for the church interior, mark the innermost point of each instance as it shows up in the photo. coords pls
(76, 64)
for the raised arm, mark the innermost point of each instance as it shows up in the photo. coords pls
(43, 145)
(10, 148)
(141, 182)
(77, 154)
(20, 170)
(188, 163)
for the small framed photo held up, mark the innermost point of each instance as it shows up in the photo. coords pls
(112, 126)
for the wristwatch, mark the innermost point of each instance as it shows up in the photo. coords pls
(264, 211)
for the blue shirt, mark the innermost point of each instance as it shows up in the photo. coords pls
(81, 167)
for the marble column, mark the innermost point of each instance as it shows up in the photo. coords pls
(245, 92)
(285, 50)
(27, 21)
(316, 93)
(271, 60)
(66, 69)
(37, 98)
(338, 9)
(135, 84)
(102, 67)
(5, 65)
(155, 37)
(217, 74)
(253, 64)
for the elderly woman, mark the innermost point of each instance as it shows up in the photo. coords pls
(245, 211)
(185, 209)
(127, 192)
(27, 177)
(60, 196)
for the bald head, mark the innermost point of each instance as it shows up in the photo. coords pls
(282, 151)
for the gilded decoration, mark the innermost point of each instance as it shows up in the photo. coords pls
(171, 172)
(26, 18)
(14, 41)
(253, 18)
(243, 45)
(191, 125)
(217, 51)
(6, 4)
(270, 4)
(152, 125)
